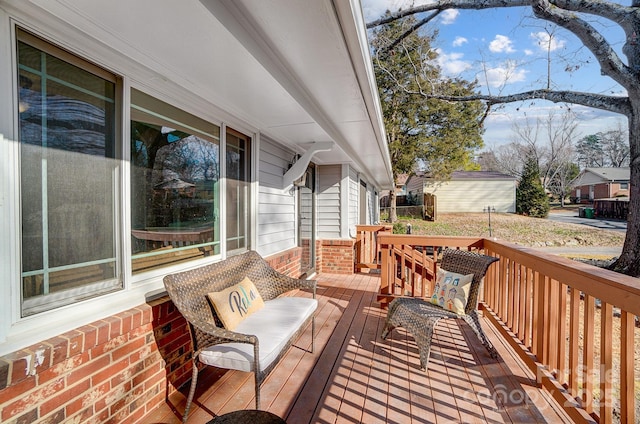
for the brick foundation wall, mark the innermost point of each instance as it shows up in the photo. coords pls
(112, 370)
(335, 256)
(115, 370)
(288, 263)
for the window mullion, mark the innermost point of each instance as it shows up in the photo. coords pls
(44, 180)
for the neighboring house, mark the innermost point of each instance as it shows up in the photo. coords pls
(143, 138)
(600, 183)
(473, 191)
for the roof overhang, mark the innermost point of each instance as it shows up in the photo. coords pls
(298, 72)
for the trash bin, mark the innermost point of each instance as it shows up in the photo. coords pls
(589, 212)
(581, 212)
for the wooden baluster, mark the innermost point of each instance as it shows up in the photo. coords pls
(588, 351)
(606, 363)
(574, 339)
(627, 368)
(553, 310)
(562, 334)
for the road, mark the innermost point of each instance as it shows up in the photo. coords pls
(571, 216)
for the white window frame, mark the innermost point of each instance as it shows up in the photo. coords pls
(17, 332)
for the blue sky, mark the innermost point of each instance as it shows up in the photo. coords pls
(506, 51)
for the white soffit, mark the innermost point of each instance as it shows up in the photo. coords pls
(296, 70)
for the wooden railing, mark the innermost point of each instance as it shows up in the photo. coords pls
(367, 248)
(573, 324)
(409, 263)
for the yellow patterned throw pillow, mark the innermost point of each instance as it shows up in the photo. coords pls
(451, 291)
(235, 303)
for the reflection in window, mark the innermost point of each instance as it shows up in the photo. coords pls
(174, 184)
(67, 115)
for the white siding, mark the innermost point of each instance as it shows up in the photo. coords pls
(474, 195)
(329, 201)
(276, 208)
(354, 186)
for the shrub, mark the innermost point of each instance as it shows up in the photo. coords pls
(531, 199)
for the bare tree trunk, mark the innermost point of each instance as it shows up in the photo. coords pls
(393, 214)
(628, 262)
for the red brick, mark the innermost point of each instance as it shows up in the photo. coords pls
(101, 416)
(103, 328)
(4, 373)
(41, 359)
(136, 318)
(54, 418)
(155, 356)
(17, 390)
(63, 368)
(90, 334)
(141, 331)
(75, 342)
(84, 415)
(63, 397)
(126, 320)
(96, 397)
(28, 418)
(115, 326)
(146, 374)
(33, 398)
(76, 405)
(127, 348)
(146, 316)
(109, 345)
(109, 371)
(88, 369)
(155, 379)
(115, 407)
(156, 400)
(19, 365)
(59, 349)
(143, 353)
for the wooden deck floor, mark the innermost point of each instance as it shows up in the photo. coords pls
(356, 377)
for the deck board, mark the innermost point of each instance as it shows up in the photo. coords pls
(353, 376)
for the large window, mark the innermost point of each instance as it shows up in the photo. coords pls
(72, 181)
(175, 169)
(68, 177)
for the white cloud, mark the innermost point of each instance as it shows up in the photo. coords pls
(546, 41)
(459, 41)
(528, 52)
(448, 16)
(452, 63)
(501, 44)
(507, 73)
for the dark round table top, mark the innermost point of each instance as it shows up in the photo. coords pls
(252, 416)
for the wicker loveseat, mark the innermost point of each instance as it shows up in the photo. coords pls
(259, 341)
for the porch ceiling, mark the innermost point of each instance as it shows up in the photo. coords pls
(297, 71)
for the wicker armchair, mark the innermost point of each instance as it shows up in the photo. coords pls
(419, 316)
(188, 291)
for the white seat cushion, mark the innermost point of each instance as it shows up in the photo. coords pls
(274, 325)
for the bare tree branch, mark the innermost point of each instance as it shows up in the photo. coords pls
(448, 4)
(622, 15)
(559, 12)
(591, 38)
(411, 30)
(611, 103)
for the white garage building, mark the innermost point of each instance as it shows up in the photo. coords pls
(473, 191)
